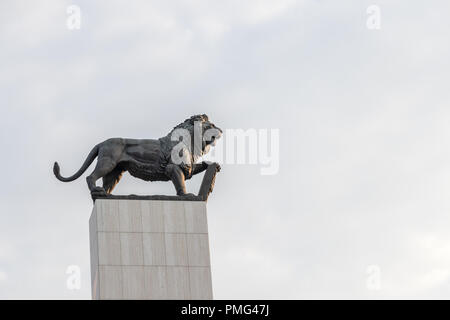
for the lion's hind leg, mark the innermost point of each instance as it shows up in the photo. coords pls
(111, 179)
(104, 166)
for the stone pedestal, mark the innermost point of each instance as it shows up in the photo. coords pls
(149, 249)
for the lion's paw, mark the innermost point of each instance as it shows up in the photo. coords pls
(98, 191)
(187, 195)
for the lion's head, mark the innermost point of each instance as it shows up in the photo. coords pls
(198, 133)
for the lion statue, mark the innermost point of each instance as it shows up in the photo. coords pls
(172, 157)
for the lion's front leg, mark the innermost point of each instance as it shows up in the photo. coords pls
(175, 174)
(200, 167)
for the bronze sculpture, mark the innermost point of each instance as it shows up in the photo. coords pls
(172, 157)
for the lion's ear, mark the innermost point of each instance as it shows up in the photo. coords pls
(192, 119)
(201, 117)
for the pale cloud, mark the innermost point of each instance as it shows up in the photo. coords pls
(257, 11)
(421, 270)
(3, 276)
(28, 24)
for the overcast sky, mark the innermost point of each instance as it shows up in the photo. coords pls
(363, 188)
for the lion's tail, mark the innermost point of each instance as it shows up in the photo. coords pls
(90, 158)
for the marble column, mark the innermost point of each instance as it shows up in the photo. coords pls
(149, 249)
